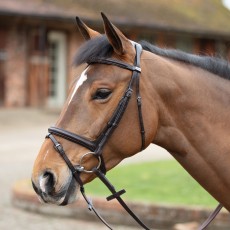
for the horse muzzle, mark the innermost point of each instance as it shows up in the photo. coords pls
(47, 192)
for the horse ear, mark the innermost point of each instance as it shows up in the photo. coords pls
(116, 38)
(85, 31)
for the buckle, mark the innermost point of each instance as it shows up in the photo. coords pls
(139, 100)
(138, 69)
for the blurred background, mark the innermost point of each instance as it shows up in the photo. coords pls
(38, 40)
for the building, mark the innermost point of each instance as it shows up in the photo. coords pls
(38, 39)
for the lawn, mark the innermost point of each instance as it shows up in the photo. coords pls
(159, 182)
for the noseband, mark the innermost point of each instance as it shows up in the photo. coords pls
(96, 146)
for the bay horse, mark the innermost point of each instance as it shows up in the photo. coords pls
(181, 104)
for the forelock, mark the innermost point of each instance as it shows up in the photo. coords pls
(98, 47)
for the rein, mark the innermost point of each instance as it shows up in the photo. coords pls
(97, 145)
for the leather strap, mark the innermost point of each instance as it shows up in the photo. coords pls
(101, 176)
(91, 145)
(58, 147)
(92, 208)
(110, 61)
(211, 217)
(76, 175)
(117, 195)
(139, 107)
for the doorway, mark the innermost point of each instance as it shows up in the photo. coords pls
(57, 69)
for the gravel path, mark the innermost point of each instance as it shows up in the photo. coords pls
(21, 134)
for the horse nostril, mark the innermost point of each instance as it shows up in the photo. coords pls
(47, 181)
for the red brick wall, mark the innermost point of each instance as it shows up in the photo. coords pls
(3, 38)
(17, 93)
(74, 41)
(16, 65)
(16, 68)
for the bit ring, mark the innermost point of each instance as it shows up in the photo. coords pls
(82, 167)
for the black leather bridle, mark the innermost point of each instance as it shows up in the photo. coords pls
(96, 146)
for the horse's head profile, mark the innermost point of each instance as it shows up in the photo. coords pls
(129, 96)
(99, 101)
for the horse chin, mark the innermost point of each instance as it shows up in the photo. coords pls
(71, 194)
(68, 200)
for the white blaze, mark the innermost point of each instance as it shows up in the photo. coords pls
(46, 155)
(81, 80)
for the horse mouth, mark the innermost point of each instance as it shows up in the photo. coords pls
(66, 195)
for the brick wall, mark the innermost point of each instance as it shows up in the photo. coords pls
(74, 41)
(16, 68)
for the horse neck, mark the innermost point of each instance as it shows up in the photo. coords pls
(193, 114)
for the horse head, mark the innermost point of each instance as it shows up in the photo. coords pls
(92, 101)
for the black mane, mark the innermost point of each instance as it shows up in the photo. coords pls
(214, 65)
(100, 47)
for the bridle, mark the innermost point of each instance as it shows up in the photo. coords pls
(96, 146)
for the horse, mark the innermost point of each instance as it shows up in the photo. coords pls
(181, 104)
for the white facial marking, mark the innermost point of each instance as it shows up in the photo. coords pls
(43, 182)
(81, 80)
(46, 155)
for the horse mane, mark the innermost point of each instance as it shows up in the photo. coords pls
(100, 47)
(214, 65)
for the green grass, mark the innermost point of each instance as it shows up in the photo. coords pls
(157, 182)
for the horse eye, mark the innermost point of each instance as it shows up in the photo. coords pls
(101, 94)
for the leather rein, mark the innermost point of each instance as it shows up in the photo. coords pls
(97, 145)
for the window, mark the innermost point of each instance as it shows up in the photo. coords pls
(53, 52)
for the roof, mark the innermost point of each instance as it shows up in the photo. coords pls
(199, 16)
